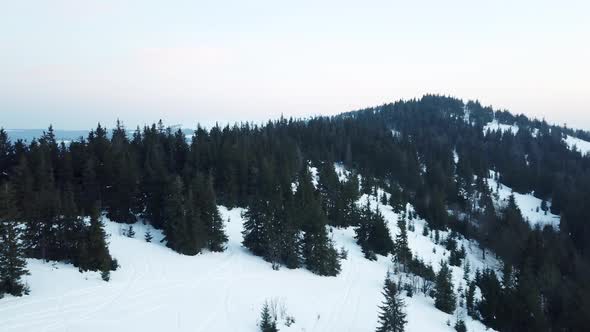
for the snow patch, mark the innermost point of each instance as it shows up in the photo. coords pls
(581, 145)
(496, 126)
(529, 205)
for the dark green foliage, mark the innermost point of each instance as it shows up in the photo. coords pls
(12, 262)
(318, 250)
(372, 234)
(460, 326)
(204, 197)
(403, 255)
(105, 274)
(94, 253)
(130, 232)
(267, 322)
(470, 299)
(392, 317)
(445, 299)
(174, 218)
(148, 236)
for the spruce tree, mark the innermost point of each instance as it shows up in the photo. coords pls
(380, 238)
(267, 322)
(257, 221)
(460, 326)
(403, 255)
(392, 317)
(12, 261)
(445, 299)
(470, 299)
(123, 188)
(95, 253)
(148, 236)
(291, 241)
(216, 237)
(174, 217)
(372, 234)
(130, 232)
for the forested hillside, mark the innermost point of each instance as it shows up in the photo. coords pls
(438, 154)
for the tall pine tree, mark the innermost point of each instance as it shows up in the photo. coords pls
(392, 317)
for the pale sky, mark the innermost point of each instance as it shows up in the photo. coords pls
(74, 63)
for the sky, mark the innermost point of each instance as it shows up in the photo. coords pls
(74, 63)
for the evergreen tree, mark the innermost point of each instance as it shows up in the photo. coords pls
(267, 322)
(130, 232)
(460, 326)
(403, 255)
(216, 237)
(148, 236)
(470, 299)
(372, 234)
(445, 299)
(318, 250)
(12, 262)
(256, 227)
(124, 188)
(174, 217)
(392, 317)
(95, 253)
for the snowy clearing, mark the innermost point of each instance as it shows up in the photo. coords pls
(156, 289)
(581, 145)
(529, 205)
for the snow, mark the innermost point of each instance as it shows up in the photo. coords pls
(314, 175)
(342, 172)
(527, 203)
(156, 289)
(581, 145)
(496, 126)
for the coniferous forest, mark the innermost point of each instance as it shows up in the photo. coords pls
(54, 196)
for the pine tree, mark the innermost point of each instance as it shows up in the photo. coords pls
(392, 317)
(403, 255)
(123, 189)
(148, 236)
(318, 250)
(460, 326)
(216, 237)
(380, 237)
(257, 221)
(470, 299)
(267, 322)
(12, 262)
(196, 231)
(130, 232)
(362, 231)
(291, 241)
(372, 234)
(105, 274)
(174, 216)
(445, 299)
(94, 252)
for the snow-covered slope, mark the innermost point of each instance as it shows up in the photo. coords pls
(156, 289)
(529, 205)
(581, 145)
